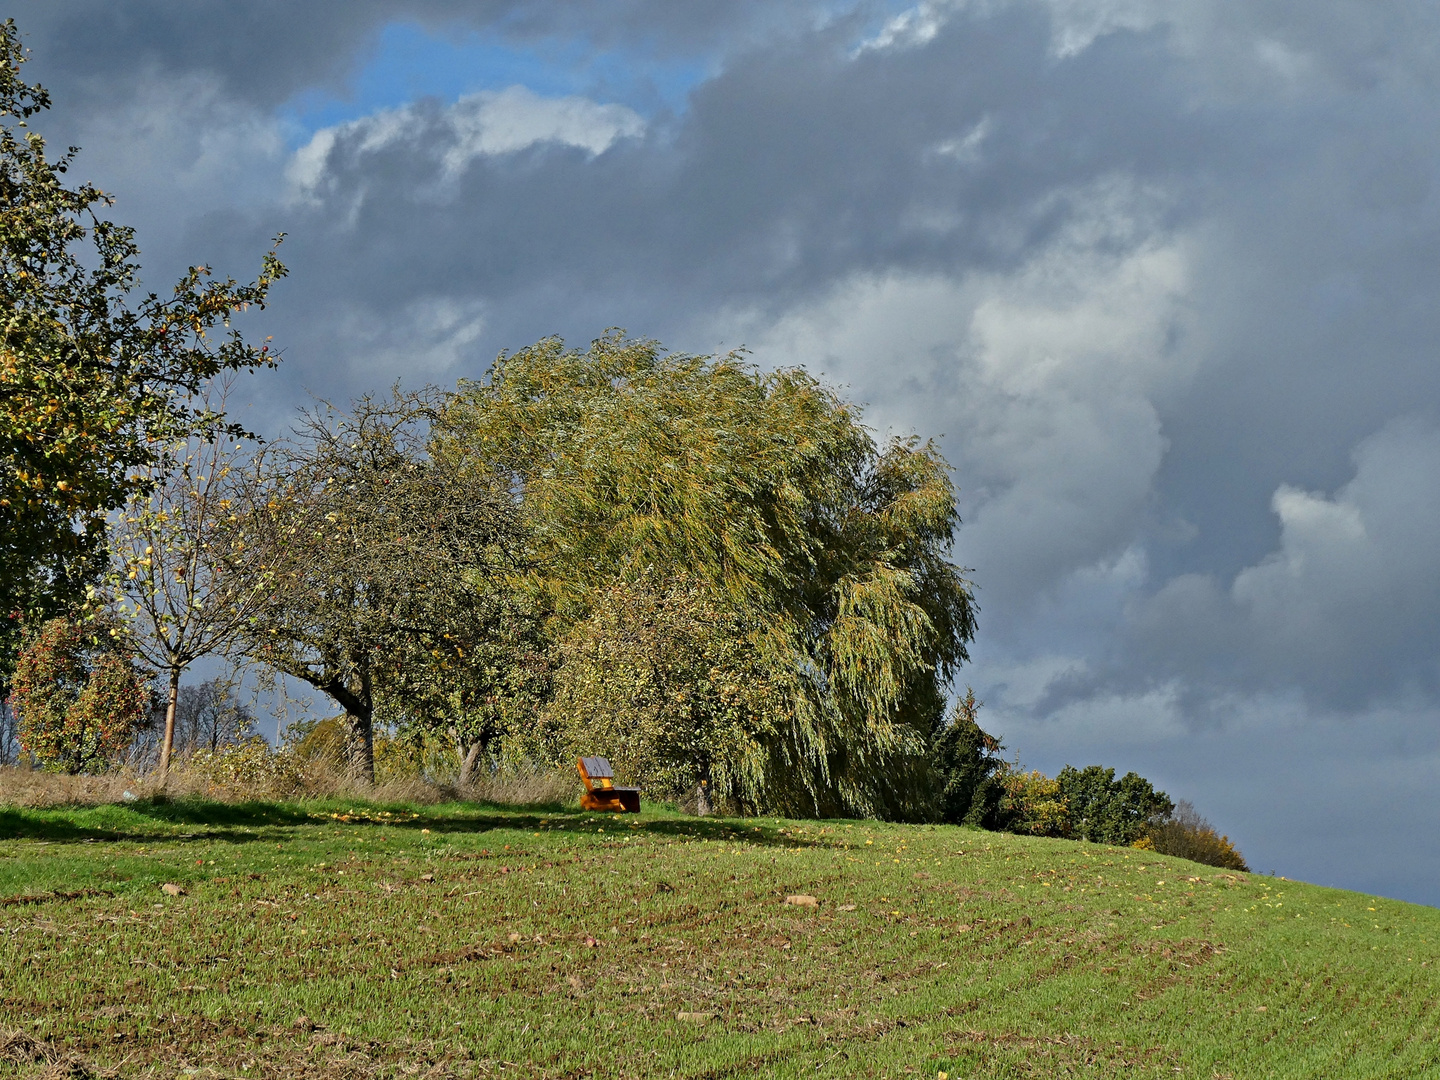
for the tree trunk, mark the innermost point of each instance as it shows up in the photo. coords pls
(467, 767)
(702, 799)
(359, 728)
(167, 745)
(361, 748)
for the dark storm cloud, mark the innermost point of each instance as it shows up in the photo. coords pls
(789, 171)
(1164, 274)
(265, 51)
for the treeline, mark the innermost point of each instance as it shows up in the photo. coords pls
(979, 787)
(711, 573)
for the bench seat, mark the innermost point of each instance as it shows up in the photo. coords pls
(600, 790)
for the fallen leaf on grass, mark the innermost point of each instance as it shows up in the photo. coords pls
(801, 900)
(695, 1017)
(846, 907)
(171, 889)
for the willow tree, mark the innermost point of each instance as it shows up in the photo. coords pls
(827, 554)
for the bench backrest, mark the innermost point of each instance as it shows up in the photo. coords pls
(596, 772)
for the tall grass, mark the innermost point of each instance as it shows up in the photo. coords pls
(250, 774)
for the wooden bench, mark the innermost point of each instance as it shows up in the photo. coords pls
(600, 790)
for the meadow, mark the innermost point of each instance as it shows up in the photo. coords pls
(352, 939)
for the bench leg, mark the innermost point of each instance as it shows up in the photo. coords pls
(621, 802)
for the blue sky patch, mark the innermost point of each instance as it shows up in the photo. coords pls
(409, 62)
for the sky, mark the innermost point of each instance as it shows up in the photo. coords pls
(1161, 276)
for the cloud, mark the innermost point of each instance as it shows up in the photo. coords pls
(1076, 24)
(426, 340)
(486, 124)
(911, 28)
(265, 51)
(1041, 380)
(1348, 606)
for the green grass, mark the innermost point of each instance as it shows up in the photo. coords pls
(342, 939)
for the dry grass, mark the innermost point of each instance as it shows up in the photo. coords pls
(21, 787)
(32, 788)
(18, 1048)
(524, 789)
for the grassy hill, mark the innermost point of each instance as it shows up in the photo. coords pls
(353, 940)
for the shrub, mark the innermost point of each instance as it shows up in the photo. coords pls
(321, 744)
(1184, 833)
(1031, 803)
(318, 740)
(78, 699)
(415, 754)
(257, 769)
(1109, 811)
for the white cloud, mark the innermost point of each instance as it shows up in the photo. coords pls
(1078, 23)
(1075, 24)
(306, 167)
(487, 124)
(966, 148)
(1042, 381)
(1356, 578)
(1344, 611)
(513, 119)
(427, 339)
(911, 28)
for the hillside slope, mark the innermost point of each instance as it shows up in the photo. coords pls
(350, 940)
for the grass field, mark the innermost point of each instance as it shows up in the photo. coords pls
(349, 940)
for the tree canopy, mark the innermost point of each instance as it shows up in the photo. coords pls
(92, 384)
(181, 574)
(388, 569)
(78, 696)
(828, 553)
